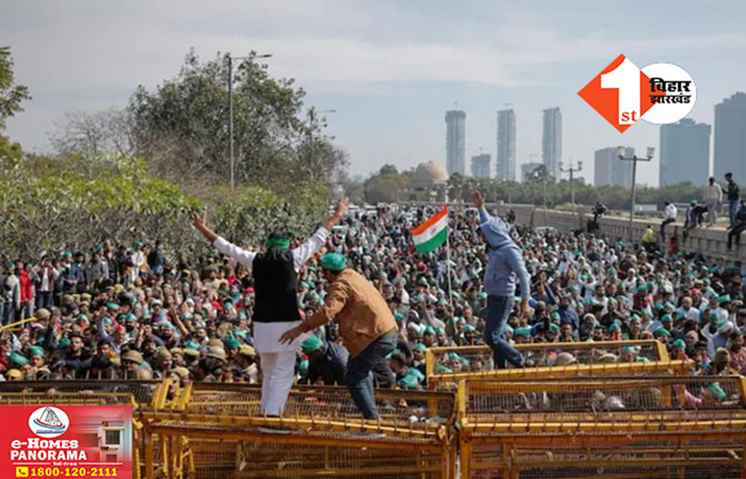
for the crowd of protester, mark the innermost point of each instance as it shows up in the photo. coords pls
(142, 312)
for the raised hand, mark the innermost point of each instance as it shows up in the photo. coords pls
(477, 199)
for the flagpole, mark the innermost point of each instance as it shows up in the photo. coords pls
(448, 253)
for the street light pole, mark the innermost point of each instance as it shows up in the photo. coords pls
(572, 170)
(634, 159)
(230, 112)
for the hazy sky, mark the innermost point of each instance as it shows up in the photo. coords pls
(389, 68)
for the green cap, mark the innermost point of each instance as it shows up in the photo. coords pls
(303, 367)
(468, 328)
(440, 331)
(231, 342)
(112, 306)
(311, 344)
(420, 347)
(724, 299)
(662, 332)
(64, 342)
(679, 344)
(18, 359)
(614, 327)
(333, 262)
(525, 332)
(441, 369)
(666, 318)
(553, 328)
(429, 331)
(36, 351)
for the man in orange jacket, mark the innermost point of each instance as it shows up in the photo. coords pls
(366, 325)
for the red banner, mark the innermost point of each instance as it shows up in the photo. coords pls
(66, 442)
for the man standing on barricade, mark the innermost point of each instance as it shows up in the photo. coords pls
(366, 325)
(505, 264)
(276, 308)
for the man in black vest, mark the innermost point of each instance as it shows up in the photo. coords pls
(276, 307)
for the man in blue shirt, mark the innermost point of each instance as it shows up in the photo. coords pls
(505, 265)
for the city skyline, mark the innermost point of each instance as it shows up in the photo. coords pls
(506, 145)
(684, 152)
(456, 142)
(394, 82)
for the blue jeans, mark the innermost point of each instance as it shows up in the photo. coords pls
(359, 379)
(733, 206)
(498, 312)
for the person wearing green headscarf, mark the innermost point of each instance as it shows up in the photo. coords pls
(276, 307)
(327, 361)
(366, 325)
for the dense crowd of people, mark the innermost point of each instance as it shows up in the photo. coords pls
(139, 311)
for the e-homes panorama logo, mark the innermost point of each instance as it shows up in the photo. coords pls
(48, 422)
(623, 93)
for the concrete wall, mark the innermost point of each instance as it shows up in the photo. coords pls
(708, 241)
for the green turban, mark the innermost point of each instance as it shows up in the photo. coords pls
(311, 344)
(333, 262)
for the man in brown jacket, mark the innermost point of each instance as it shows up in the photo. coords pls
(366, 325)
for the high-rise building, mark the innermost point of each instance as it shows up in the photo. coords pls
(685, 152)
(480, 165)
(527, 169)
(610, 170)
(505, 145)
(551, 141)
(730, 138)
(456, 142)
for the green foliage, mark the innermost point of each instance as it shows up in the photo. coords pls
(11, 95)
(185, 123)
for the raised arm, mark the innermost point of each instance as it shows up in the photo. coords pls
(313, 244)
(244, 257)
(496, 232)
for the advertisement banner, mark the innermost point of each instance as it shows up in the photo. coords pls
(66, 441)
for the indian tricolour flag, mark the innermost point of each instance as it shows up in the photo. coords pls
(431, 234)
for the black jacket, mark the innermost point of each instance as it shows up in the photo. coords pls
(276, 288)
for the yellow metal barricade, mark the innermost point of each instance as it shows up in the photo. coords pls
(446, 366)
(603, 427)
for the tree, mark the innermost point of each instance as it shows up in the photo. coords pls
(388, 169)
(92, 134)
(11, 95)
(183, 125)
